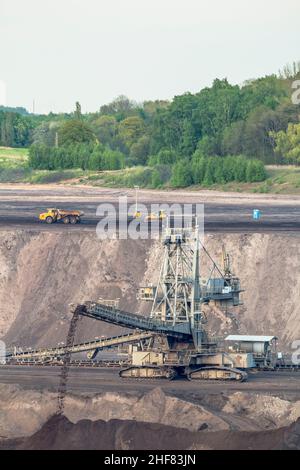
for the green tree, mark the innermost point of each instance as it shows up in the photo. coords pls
(208, 146)
(105, 128)
(218, 107)
(113, 159)
(240, 169)
(255, 171)
(166, 157)
(131, 129)
(209, 177)
(175, 126)
(121, 107)
(7, 130)
(139, 151)
(156, 179)
(181, 175)
(288, 143)
(46, 133)
(233, 139)
(220, 171)
(198, 167)
(96, 162)
(15, 129)
(268, 91)
(229, 168)
(75, 131)
(78, 114)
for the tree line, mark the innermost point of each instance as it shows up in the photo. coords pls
(207, 171)
(256, 120)
(90, 156)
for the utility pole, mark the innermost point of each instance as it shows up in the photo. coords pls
(137, 214)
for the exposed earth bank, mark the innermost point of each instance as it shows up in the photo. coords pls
(41, 274)
(150, 420)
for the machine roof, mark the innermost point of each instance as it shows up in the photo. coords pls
(250, 338)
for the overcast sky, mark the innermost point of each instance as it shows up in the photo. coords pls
(61, 51)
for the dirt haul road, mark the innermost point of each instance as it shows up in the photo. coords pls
(20, 206)
(95, 380)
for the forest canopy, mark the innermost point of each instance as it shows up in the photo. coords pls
(256, 122)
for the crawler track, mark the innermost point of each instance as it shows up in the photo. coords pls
(218, 374)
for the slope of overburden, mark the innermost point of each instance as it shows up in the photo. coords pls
(59, 433)
(115, 420)
(41, 274)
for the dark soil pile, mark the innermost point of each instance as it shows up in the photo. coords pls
(59, 433)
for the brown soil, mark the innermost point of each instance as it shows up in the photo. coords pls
(80, 192)
(59, 433)
(24, 412)
(42, 273)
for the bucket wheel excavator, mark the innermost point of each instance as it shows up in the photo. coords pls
(178, 344)
(172, 341)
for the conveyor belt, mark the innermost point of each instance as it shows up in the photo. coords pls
(82, 347)
(132, 320)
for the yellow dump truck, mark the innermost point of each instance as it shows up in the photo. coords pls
(56, 215)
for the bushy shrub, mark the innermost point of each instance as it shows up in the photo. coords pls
(164, 157)
(182, 175)
(85, 156)
(220, 170)
(255, 171)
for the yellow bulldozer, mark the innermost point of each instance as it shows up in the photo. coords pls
(66, 216)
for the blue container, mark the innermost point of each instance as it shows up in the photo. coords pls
(256, 214)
